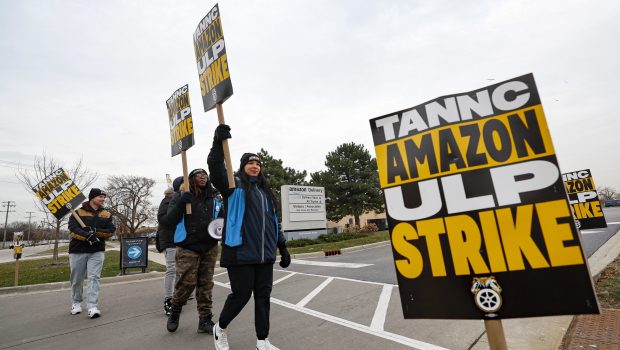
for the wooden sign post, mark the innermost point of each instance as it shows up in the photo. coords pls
(188, 206)
(495, 334)
(229, 168)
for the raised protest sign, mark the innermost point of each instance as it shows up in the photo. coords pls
(211, 60)
(56, 191)
(583, 199)
(180, 120)
(480, 224)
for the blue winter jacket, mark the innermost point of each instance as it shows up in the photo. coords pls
(251, 234)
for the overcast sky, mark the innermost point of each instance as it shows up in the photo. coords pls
(90, 78)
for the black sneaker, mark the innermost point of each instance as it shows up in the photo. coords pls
(168, 306)
(173, 320)
(205, 324)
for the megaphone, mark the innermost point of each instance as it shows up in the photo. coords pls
(215, 228)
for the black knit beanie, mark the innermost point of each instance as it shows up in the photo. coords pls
(94, 192)
(246, 157)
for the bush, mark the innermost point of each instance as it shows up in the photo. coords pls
(302, 242)
(370, 228)
(353, 228)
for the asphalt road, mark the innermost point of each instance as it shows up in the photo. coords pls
(348, 301)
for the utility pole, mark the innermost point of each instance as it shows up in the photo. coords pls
(8, 206)
(29, 218)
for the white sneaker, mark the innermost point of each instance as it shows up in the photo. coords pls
(76, 309)
(93, 312)
(220, 338)
(265, 345)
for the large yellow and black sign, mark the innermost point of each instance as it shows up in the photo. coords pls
(479, 219)
(56, 191)
(180, 119)
(583, 199)
(211, 60)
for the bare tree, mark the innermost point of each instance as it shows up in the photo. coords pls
(44, 165)
(606, 192)
(130, 202)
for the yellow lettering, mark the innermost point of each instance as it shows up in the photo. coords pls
(492, 241)
(411, 266)
(517, 239)
(555, 234)
(431, 229)
(465, 242)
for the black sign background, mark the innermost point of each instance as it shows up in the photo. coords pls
(588, 212)
(211, 60)
(56, 190)
(441, 253)
(127, 244)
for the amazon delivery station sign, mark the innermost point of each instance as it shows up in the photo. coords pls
(303, 211)
(479, 220)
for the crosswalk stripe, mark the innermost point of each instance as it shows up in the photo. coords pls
(283, 278)
(329, 264)
(378, 320)
(314, 293)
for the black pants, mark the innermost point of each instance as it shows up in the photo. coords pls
(245, 279)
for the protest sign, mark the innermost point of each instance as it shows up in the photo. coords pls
(583, 199)
(213, 74)
(181, 130)
(59, 193)
(211, 60)
(480, 224)
(180, 120)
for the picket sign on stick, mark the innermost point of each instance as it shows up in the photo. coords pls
(16, 272)
(229, 171)
(495, 334)
(75, 215)
(188, 206)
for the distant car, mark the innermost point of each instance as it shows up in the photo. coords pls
(612, 203)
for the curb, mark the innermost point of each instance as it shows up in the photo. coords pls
(7, 291)
(349, 249)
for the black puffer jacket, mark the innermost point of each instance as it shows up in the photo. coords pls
(165, 231)
(99, 219)
(196, 224)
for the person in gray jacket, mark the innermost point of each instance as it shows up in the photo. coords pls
(165, 243)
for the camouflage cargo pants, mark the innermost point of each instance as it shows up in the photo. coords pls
(195, 270)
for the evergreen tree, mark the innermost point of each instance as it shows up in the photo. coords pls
(279, 175)
(351, 182)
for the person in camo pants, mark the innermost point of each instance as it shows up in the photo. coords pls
(197, 252)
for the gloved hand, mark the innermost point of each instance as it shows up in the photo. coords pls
(285, 257)
(186, 197)
(222, 132)
(92, 238)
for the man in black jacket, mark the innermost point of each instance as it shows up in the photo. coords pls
(86, 250)
(196, 253)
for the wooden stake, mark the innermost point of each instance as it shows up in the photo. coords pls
(188, 206)
(229, 168)
(75, 215)
(495, 334)
(16, 272)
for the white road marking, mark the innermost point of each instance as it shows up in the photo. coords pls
(587, 232)
(314, 293)
(378, 320)
(329, 264)
(340, 278)
(221, 273)
(416, 344)
(614, 223)
(283, 278)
